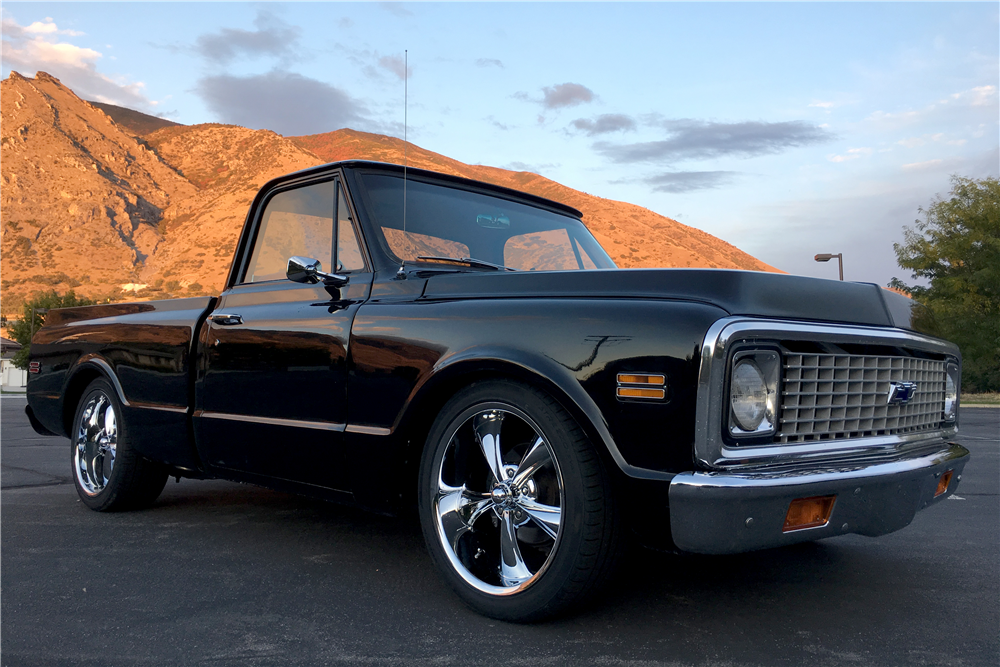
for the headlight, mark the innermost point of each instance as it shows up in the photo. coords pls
(950, 393)
(749, 396)
(753, 393)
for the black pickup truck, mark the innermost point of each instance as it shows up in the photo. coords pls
(474, 352)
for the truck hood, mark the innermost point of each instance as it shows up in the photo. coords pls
(737, 292)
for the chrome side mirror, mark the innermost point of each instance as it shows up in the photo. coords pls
(310, 271)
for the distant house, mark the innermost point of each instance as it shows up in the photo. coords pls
(8, 345)
(10, 377)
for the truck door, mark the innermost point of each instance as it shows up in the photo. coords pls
(271, 388)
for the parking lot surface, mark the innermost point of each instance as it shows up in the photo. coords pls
(217, 573)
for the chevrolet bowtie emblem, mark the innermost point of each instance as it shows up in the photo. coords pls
(901, 393)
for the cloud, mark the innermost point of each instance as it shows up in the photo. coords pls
(677, 182)
(696, 139)
(919, 166)
(603, 124)
(533, 168)
(559, 96)
(914, 142)
(48, 27)
(566, 95)
(373, 65)
(979, 96)
(852, 154)
(894, 120)
(395, 65)
(273, 37)
(497, 124)
(396, 8)
(11, 29)
(288, 103)
(489, 62)
(962, 106)
(829, 104)
(36, 48)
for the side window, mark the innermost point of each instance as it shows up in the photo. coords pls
(295, 222)
(349, 256)
(585, 258)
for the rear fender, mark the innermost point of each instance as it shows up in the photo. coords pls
(159, 434)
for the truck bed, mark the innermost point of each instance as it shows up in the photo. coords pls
(147, 347)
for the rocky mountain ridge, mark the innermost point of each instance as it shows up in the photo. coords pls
(98, 205)
(81, 199)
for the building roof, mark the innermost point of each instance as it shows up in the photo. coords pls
(8, 344)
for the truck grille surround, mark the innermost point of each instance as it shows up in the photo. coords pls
(835, 403)
(842, 396)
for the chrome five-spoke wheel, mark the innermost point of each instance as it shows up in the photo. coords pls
(96, 444)
(108, 472)
(499, 500)
(516, 507)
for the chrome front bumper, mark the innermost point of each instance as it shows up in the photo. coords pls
(732, 512)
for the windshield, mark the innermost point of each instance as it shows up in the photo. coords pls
(444, 221)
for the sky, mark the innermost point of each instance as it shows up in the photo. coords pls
(787, 129)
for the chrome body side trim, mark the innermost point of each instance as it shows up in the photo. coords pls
(367, 430)
(162, 408)
(711, 450)
(721, 513)
(274, 421)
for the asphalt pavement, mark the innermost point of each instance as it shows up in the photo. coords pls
(217, 573)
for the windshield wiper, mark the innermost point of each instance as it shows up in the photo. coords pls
(468, 261)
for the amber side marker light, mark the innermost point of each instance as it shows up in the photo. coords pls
(808, 513)
(943, 483)
(641, 385)
(635, 392)
(635, 378)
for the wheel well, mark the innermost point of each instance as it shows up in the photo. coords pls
(77, 385)
(420, 415)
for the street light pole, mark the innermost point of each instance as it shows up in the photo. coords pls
(826, 257)
(40, 311)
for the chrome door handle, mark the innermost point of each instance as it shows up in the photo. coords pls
(227, 320)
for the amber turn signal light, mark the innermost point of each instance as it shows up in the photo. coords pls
(636, 378)
(636, 392)
(943, 483)
(808, 513)
(641, 385)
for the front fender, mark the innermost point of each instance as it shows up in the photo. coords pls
(407, 359)
(490, 361)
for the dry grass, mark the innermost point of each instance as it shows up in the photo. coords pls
(989, 398)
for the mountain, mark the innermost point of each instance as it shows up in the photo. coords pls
(81, 198)
(100, 198)
(229, 165)
(634, 236)
(134, 122)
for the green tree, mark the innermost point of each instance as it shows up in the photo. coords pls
(956, 248)
(22, 329)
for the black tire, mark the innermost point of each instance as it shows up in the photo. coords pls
(108, 473)
(552, 514)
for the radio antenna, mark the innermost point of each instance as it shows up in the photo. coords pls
(406, 73)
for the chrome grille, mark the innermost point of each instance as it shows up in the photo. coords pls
(839, 396)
